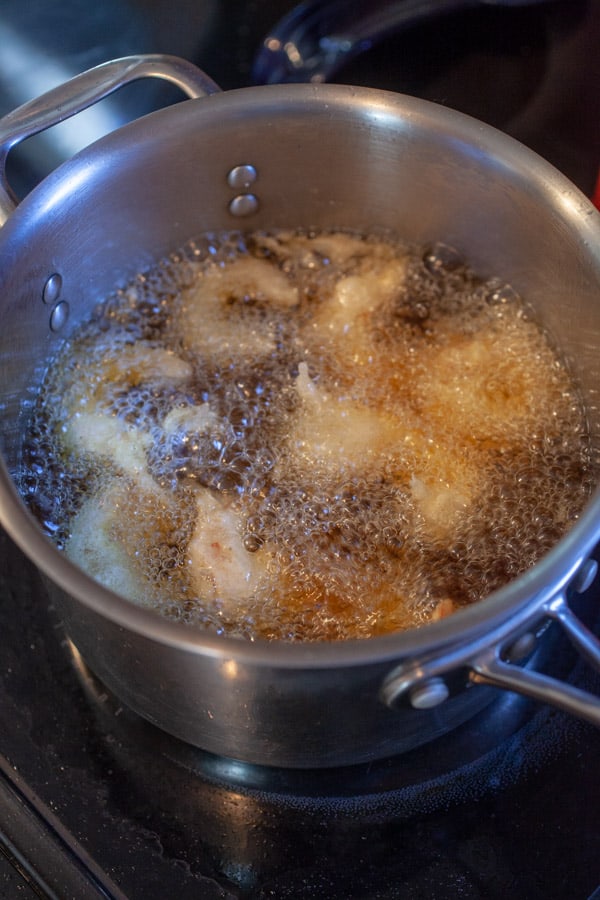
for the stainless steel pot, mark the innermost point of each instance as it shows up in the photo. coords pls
(286, 156)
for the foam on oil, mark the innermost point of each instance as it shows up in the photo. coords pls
(308, 437)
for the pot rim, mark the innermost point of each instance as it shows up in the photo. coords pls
(533, 587)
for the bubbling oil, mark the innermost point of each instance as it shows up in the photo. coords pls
(300, 436)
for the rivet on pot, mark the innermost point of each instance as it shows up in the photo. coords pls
(243, 205)
(429, 693)
(520, 648)
(52, 289)
(585, 576)
(59, 315)
(241, 177)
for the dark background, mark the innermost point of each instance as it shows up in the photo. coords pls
(532, 71)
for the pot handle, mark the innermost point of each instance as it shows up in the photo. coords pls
(83, 91)
(491, 669)
(492, 660)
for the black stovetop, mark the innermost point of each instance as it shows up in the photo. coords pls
(96, 803)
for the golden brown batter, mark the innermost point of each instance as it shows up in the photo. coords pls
(308, 437)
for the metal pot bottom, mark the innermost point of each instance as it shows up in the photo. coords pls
(459, 766)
